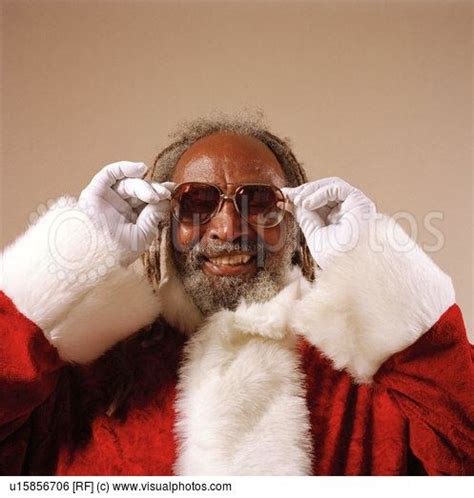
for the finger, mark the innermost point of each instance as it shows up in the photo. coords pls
(137, 204)
(299, 193)
(308, 220)
(113, 199)
(337, 192)
(135, 188)
(169, 185)
(287, 206)
(111, 173)
(149, 218)
(164, 189)
(313, 187)
(291, 192)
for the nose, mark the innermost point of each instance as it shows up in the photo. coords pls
(227, 225)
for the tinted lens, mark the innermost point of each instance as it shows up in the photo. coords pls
(195, 202)
(258, 204)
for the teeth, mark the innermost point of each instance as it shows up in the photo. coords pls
(236, 259)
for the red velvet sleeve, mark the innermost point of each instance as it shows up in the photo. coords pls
(432, 381)
(29, 368)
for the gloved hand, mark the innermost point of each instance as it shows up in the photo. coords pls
(332, 215)
(126, 206)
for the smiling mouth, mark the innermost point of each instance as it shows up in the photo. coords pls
(230, 260)
(230, 264)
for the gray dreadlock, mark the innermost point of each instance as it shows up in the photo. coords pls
(189, 132)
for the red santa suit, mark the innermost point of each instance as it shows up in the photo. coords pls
(367, 370)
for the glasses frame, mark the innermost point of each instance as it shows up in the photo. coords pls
(223, 197)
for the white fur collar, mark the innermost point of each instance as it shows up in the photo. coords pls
(241, 407)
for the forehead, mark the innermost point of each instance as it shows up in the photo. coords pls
(225, 158)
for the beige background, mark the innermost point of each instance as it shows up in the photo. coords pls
(379, 93)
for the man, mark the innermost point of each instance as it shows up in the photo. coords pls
(175, 323)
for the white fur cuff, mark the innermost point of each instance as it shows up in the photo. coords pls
(373, 301)
(63, 274)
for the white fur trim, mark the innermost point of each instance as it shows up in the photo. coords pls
(113, 310)
(272, 319)
(63, 274)
(241, 406)
(372, 303)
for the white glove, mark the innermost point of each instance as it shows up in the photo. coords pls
(332, 215)
(126, 206)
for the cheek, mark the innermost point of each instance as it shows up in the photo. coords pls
(185, 236)
(275, 238)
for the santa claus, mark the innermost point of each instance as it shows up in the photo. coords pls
(219, 314)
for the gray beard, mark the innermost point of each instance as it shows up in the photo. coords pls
(214, 293)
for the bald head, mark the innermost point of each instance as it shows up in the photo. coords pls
(228, 158)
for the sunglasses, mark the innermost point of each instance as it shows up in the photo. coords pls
(259, 204)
